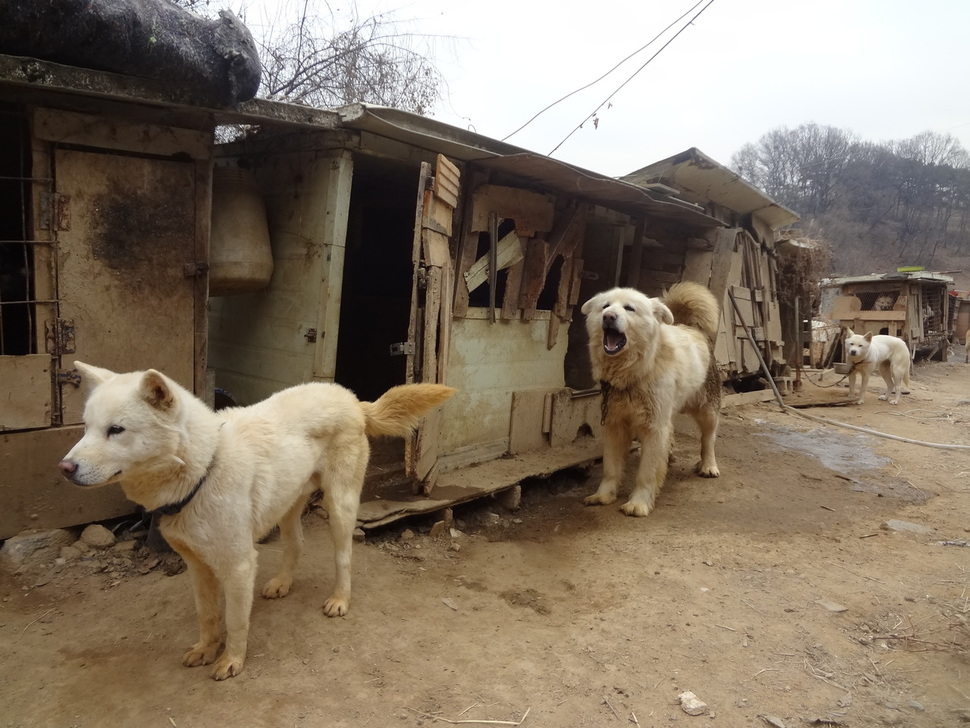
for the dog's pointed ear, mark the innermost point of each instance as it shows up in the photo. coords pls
(663, 314)
(868, 336)
(588, 306)
(95, 375)
(848, 332)
(156, 390)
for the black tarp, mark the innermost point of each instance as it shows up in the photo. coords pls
(147, 38)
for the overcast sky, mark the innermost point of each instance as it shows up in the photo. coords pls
(883, 69)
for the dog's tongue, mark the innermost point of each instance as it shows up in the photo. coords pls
(613, 340)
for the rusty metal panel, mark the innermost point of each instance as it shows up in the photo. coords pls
(35, 495)
(121, 266)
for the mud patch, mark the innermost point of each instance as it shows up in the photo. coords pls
(835, 450)
(529, 598)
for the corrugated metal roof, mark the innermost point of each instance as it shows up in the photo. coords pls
(919, 276)
(539, 169)
(705, 179)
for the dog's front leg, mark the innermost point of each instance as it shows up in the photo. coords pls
(205, 587)
(239, 583)
(852, 379)
(654, 448)
(864, 384)
(616, 446)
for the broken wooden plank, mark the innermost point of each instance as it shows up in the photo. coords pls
(513, 284)
(533, 278)
(455, 487)
(446, 181)
(436, 251)
(509, 253)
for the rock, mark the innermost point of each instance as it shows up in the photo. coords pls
(691, 704)
(772, 721)
(69, 553)
(359, 535)
(831, 606)
(31, 548)
(124, 547)
(894, 524)
(438, 529)
(407, 534)
(98, 536)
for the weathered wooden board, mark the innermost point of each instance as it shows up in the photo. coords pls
(33, 492)
(532, 212)
(528, 415)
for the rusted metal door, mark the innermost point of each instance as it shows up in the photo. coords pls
(125, 265)
(431, 304)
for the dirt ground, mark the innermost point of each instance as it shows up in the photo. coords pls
(774, 593)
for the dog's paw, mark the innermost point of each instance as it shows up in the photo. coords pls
(639, 510)
(708, 472)
(860, 401)
(599, 499)
(277, 588)
(201, 654)
(227, 667)
(335, 607)
(883, 397)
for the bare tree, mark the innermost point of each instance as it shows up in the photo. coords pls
(342, 58)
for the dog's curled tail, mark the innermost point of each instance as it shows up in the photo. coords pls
(693, 305)
(398, 410)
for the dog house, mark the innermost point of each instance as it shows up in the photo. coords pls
(913, 305)
(103, 244)
(389, 248)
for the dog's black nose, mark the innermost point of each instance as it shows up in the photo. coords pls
(67, 468)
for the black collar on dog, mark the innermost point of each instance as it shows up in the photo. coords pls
(172, 508)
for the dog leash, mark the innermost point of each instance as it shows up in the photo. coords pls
(606, 389)
(833, 384)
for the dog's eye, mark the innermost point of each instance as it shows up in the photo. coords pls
(628, 307)
(606, 305)
(115, 430)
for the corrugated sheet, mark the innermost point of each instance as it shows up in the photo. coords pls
(536, 168)
(702, 178)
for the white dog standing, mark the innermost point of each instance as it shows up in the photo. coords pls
(654, 358)
(868, 353)
(222, 480)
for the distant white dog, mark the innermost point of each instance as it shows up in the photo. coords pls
(888, 355)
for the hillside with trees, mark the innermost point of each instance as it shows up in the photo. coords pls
(877, 205)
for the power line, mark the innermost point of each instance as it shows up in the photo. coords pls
(607, 100)
(591, 83)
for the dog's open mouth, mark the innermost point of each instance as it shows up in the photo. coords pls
(613, 341)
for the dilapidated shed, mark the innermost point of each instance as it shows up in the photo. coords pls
(743, 258)
(396, 249)
(912, 304)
